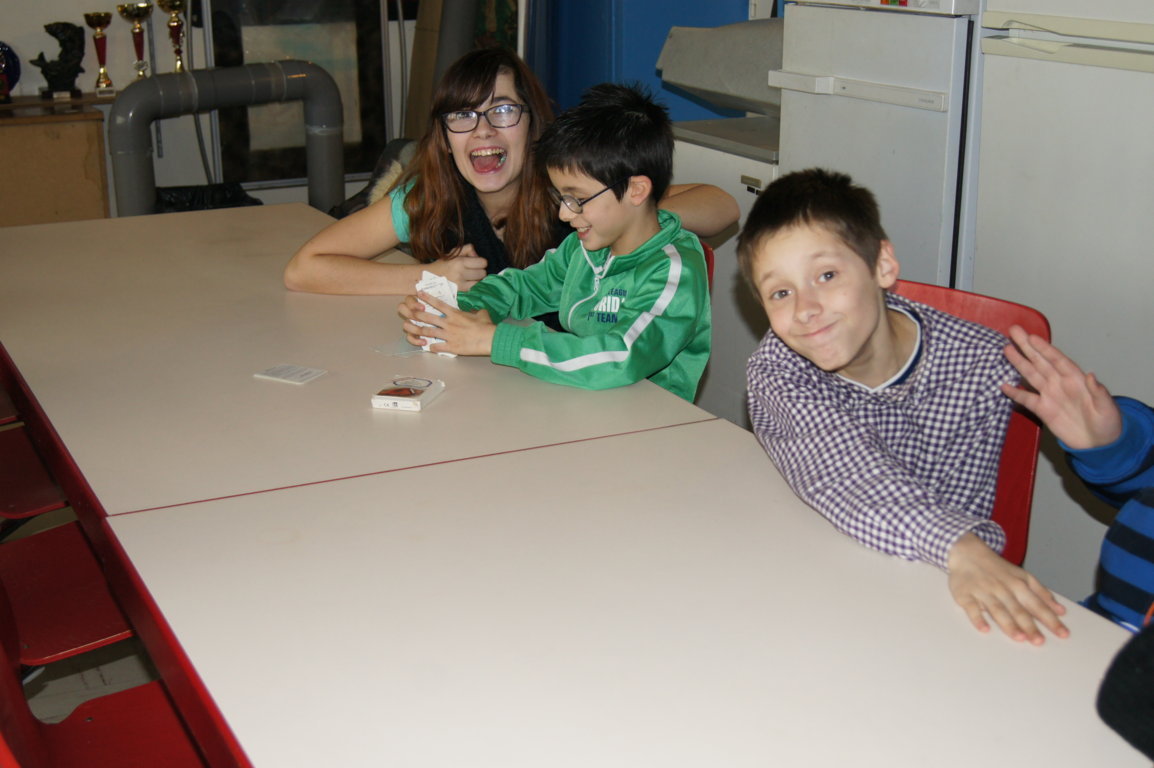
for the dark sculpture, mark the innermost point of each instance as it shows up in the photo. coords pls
(61, 73)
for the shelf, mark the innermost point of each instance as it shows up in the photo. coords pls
(31, 106)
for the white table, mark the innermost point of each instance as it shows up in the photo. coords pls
(653, 599)
(524, 575)
(140, 336)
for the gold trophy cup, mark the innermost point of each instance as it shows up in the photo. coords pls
(99, 21)
(175, 28)
(135, 13)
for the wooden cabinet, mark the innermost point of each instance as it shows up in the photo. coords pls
(52, 164)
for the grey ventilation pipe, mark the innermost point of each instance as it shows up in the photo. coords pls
(201, 90)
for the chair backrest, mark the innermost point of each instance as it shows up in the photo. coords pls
(8, 412)
(21, 742)
(1015, 490)
(137, 726)
(708, 250)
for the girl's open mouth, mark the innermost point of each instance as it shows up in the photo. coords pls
(487, 159)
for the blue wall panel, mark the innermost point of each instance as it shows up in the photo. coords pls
(593, 41)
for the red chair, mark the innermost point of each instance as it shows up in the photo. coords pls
(1015, 489)
(58, 590)
(135, 728)
(58, 596)
(26, 487)
(8, 412)
(708, 250)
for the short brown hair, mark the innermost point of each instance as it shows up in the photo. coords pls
(815, 197)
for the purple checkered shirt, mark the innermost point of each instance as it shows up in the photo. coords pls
(906, 470)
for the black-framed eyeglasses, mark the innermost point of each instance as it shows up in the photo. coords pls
(499, 116)
(576, 205)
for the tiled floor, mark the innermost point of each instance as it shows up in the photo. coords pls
(60, 687)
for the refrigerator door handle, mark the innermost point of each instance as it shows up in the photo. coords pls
(795, 81)
(1069, 53)
(830, 85)
(1126, 32)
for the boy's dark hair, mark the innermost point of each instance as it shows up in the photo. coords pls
(814, 197)
(617, 131)
(1126, 697)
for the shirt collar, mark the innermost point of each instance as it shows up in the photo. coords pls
(911, 363)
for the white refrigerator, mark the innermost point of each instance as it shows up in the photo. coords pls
(1065, 216)
(878, 90)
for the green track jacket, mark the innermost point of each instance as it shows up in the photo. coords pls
(642, 315)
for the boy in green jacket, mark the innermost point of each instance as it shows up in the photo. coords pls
(629, 284)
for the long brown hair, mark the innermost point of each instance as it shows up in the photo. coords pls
(436, 202)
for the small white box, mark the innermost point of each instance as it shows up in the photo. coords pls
(408, 393)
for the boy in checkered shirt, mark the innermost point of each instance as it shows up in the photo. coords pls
(883, 414)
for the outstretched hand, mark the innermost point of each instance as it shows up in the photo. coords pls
(462, 333)
(985, 584)
(1073, 404)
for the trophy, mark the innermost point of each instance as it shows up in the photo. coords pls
(175, 28)
(136, 13)
(99, 21)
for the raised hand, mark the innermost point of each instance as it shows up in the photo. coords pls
(1073, 404)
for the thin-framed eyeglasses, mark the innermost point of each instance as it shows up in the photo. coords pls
(576, 205)
(499, 116)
